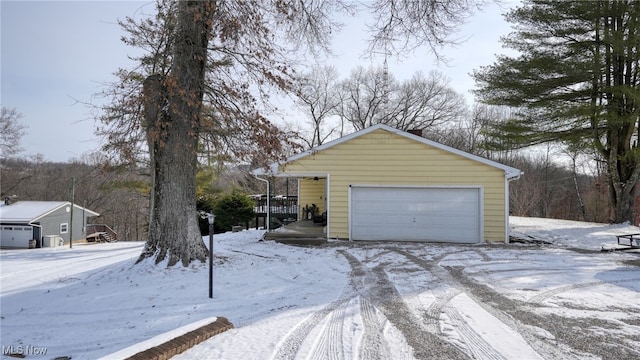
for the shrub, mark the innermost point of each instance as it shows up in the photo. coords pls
(233, 209)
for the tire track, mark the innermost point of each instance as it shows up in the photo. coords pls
(330, 345)
(290, 346)
(443, 295)
(551, 336)
(511, 314)
(375, 287)
(553, 292)
(456, 287)
(431, 316)
(374, 345)
(483, 255)
(476, 345)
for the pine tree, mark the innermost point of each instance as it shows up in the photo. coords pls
(576, 80)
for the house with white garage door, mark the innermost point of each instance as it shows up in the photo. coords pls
(25, 224)
(382, 183)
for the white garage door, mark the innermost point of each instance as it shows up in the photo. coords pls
(15, 236)
(416, 214)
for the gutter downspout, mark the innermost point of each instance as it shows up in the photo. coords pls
(506, 205)
(267, 225)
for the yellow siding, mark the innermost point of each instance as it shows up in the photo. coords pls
(311, 192)
(385, 158)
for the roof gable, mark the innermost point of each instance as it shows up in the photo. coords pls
(510, 172)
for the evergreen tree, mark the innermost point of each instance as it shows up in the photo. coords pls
(233, 209)
(577, 81)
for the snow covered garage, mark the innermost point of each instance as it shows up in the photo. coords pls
(381, 183)
(24, 221)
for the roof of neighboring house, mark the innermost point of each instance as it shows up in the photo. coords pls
(510, 172)
(30, 211)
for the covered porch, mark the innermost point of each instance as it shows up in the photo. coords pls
(307, 209)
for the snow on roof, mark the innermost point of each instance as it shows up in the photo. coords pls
(28, 211)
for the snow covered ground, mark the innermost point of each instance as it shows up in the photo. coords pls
(564, 300)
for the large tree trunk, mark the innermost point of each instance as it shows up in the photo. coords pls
(172, 112)
(623, 108)
(622, 187)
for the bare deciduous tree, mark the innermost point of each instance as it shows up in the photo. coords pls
(422, 103)
(173, 110)
(11, 132)
(403, 26)
(370, 97)
(208, 66)
(318, 98)
(363, 95)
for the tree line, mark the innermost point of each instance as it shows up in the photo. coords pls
(575, 189)
(200, 92)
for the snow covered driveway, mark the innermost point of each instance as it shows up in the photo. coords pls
(566, 300)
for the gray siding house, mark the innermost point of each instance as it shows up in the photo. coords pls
(23, 221)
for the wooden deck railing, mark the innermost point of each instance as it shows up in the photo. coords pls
(281, 208)
(101, 232)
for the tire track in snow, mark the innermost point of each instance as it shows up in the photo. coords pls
(476, 347)
(375, 287)
(289, 347)
(443, 295)
(431, 316)
(485, 257)
(330, 345)
(550, 293)
(510, 314)
(374, 344)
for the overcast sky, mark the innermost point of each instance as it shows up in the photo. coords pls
(56, 52)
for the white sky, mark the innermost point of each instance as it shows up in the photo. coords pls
(54, 52)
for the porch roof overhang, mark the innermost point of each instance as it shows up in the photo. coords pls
(262, 172)
(273, 170)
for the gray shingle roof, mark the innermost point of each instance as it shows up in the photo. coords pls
(28, 211)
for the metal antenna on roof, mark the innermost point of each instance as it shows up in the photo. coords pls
(386, 39)
(385, 85)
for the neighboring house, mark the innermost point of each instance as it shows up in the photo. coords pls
(36, 220)
(381, 183)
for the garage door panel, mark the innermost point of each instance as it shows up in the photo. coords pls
(15, 236)
(416, 214)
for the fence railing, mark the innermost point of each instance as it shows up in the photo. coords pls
(278, 206)
(106, 233)
(281, 209)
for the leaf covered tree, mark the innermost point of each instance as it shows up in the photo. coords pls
(206, 68)
(173, 111)
(576, 80)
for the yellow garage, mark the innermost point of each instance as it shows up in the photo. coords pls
(382, 183)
